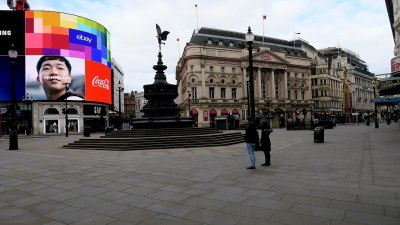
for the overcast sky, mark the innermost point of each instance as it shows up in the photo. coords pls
(359, 25)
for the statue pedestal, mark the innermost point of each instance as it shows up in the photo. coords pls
(161, 122)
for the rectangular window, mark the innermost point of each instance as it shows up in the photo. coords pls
(277, 90)
(233, 70)
(223, 93)
(222, 69)
(192, 68)
(288, 94)
(263, 89)
(302, 95)
(234, 93)
(211, 69)
(194, 92)
(211, 93)
(295, 95)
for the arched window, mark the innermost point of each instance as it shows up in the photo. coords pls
(51, 111)
(72, 111)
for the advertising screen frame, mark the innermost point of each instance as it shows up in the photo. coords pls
(83, 42)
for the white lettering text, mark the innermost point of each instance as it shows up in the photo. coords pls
(83, 38)
(97, 82)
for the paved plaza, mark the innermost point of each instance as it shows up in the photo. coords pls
(352, 178)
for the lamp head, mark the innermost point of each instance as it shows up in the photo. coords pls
(249, 35)
(12, 53)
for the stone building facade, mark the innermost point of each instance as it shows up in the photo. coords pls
(213, 71)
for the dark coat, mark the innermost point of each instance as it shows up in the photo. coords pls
(265, 141)
(251, 135)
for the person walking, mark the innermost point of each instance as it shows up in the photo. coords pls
(265, 142)
(251, 138)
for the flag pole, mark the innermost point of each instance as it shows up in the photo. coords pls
(264, 17)
(179, 52)
(197, 18)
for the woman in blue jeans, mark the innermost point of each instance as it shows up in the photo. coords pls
(251, 138)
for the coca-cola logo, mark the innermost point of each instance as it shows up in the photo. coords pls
(97, 82)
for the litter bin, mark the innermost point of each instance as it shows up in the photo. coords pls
(86, 131)
(319, 134)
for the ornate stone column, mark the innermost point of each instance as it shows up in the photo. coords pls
(273, 84)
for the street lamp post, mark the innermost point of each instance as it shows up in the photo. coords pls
(120, 88)
(376, 111)
(249, 39)
(13, 54)
(66, 112)
(248, 94)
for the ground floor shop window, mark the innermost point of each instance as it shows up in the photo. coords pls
(73, 125)
(51, 126)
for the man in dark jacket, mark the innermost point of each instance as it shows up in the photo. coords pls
(251, 138)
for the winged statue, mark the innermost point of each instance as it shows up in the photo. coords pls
(161, 36)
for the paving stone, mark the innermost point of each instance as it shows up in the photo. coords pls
(168, 220)
(336, 196)
(135, 215)
(137, 201)
(26, 218)
(83, 201)
(318, 211)
(205, 203)
(323, 202)
(213, 217)
(169, 196)
(111, 195)
(108, 208)
(28, 201)
(268, 203)
(247, 211)
(249, 221)
(14, 195)
(46, 207)
(63, 196)
(297, 219)
(358, 207)
(228, 197)
(71, 215)
(370, 219)
(172, 209)
(265, 194)
(96, 220)
(7, 211)
(140, 191)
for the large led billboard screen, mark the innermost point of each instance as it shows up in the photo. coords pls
(55, 50)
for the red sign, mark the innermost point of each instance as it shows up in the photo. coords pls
(395, 64)
(266, 57)
(98, 82)
(205, 115)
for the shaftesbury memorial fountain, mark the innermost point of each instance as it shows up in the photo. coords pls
(161, 111)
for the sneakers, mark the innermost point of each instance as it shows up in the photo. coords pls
(251, 167)
(265, 164)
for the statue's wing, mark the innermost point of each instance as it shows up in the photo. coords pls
(158, 30)
(164, 35)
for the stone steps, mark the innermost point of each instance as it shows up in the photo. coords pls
(159, 139)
